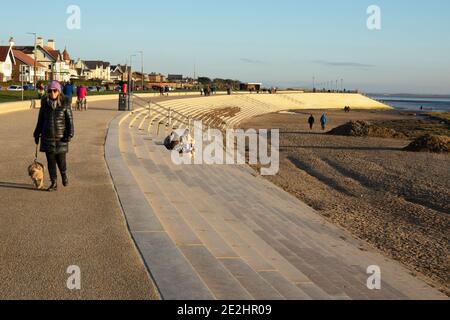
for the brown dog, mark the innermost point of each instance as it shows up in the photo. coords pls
(36, 171)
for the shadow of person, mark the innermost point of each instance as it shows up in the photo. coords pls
(10, 185)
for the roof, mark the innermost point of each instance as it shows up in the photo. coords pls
(96, 63)
(56, 54)
(19, 55)
(4, 51)
(66, 55)
(30, 50)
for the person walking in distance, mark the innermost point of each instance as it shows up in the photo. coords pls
(68, 91)
(55, 130)
(311, 122)
(323, 121)
(81, 98)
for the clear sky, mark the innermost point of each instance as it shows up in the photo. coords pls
(284, 42)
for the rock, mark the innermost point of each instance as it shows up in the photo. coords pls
(430, 143)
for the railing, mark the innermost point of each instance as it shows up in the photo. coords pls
(169, 115)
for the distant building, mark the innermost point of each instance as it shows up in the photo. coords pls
(119, 73)
(24, 68)
(58, 67)
(156, 77)
(175, 78)
(6, 61)
(94, 69)
(251, 86)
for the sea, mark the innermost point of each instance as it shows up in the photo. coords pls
(415, 102)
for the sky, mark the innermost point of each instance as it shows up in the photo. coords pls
(284, 43)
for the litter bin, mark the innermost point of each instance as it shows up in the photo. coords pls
(123, 102)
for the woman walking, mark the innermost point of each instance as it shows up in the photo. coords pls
(54, 130)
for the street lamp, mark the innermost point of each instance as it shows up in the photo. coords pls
(35, 58)
(142, 68)
(130, 82)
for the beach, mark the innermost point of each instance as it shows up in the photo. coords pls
(396, 201)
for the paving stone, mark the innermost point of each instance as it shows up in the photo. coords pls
(215, 275)
(251, 281)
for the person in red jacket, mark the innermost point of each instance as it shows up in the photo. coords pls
(81, 98)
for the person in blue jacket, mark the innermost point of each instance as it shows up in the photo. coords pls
(323, 121)
(69, 91)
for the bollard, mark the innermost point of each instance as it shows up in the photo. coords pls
(170, 117)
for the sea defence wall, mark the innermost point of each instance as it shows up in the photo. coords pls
(229, 111)
(263, 102)
(336, 101)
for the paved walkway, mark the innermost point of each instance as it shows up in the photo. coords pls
(205, 233)
(219, 232)
(42, 234)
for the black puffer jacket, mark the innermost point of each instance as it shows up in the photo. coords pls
(55, 126)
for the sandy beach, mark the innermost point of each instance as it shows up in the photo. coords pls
(395, 200)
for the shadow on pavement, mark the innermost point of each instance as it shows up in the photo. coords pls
(10, 185)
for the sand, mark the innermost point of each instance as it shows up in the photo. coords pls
(395, 200)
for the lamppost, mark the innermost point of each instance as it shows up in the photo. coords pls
(130, 83)
(142, 68)
(35, 58)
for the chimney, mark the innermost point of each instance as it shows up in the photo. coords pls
(40, 42)
(51, 44)
(11, 42)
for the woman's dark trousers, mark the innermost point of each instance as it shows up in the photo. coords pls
(53, 160)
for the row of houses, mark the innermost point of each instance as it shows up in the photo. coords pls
(44, 62)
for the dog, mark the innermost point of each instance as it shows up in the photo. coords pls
(36, 171)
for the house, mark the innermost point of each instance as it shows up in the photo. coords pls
(6, 61)
(156, 78)
(175, 78)
(94, 69)
(25, 67)
(57, 68)
(119, 73)
(69, 62)
(139, 77)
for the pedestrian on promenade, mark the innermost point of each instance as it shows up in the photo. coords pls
(41, 91)
(81, 98)
(68, 92)
(54, 130)
(311, 122)
(323, 121)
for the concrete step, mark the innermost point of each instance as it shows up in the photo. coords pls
(173, 275)
(209, 269)
(259, 288)
(235, 243)
(212, 208)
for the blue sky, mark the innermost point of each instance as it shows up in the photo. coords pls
(285, 42)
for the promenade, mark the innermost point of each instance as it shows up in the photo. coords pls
(42, 234)
(198, 232)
